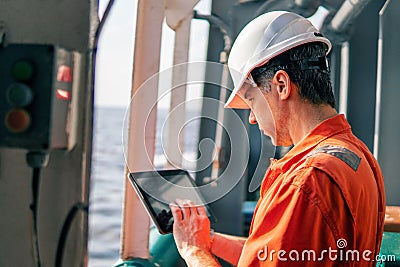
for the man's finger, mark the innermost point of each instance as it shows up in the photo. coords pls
(176, 212)
(201, 211)
(185, 208)
(193, 207)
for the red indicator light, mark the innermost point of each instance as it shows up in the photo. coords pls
(17, 120)
(63, 94)
(64, 74)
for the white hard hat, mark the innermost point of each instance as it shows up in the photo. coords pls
(263, 38)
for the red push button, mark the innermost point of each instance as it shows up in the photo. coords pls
(63, 94)
(64, 74)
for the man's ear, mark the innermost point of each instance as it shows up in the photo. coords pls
(283, 84)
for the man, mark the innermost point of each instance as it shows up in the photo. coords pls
(323, 203)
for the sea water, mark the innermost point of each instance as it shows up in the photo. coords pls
(107, 179)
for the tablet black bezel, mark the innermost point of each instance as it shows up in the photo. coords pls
(143, 195)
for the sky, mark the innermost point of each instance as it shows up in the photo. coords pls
(115, 52)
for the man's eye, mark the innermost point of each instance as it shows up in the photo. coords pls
(249, 97)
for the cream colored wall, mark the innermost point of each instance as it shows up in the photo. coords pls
(65, 181)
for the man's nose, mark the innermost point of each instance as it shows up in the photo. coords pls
(252, 118)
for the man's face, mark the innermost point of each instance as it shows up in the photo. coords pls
(260, 111)
(268, 110)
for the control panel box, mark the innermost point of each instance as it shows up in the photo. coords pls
(35, 96)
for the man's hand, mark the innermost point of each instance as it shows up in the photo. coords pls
(192, 233)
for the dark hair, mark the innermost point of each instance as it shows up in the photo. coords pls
(314, 84)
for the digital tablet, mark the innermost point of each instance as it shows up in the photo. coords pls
(157, 189)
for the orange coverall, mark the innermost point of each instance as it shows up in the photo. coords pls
(322, 204)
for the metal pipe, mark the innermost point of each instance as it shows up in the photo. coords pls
(142, 124)
(2, 32)
(266, 7)
(302, 7)
(176, 121)
(344, 78)
(346, 14)
(221, 114)
(222, 26)
(379, 82)
(378, 97)
(226, 33)
(179, 14)
(304, 3)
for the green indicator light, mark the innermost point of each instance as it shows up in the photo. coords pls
(19, 95)
(22, 70)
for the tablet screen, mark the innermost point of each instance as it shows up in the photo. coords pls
(159, 188)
